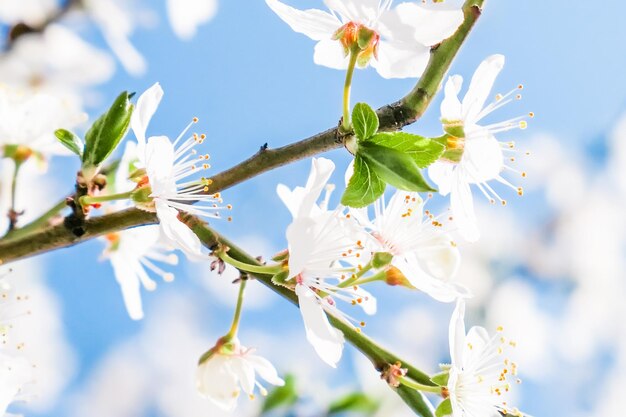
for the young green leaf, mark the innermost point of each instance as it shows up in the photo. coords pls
(353, 402)
(424, 151)
(364, 121)
(70, 141)
(281, 396)
(394, 167)
(441, 379)
(364, 186)
(444, 408)
(106, 133)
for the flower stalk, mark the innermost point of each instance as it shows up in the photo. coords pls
(88, 200)
(246, 267)
(346, 123)
(232, 333)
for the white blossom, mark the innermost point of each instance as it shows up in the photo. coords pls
(323, 245)
(480, 375)
(30, 12)
(483, 157)
(29, 119)
(167, 164)
(186, 15)
(422, 250)
(231, 369)
(401, 40)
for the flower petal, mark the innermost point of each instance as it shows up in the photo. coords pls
(330, 53)
(433, 23)
(456, 334)
(314, 23)
(215, 381)
(321, 170)
(451, 107)
(186, 15)
(265, 370)
(462, 205)
(147, 105)
(442, 174)
(483, 159)
(326, 340)
(401, 60)
(129, 284)
(16, 372)
(245, 373)
(480, 86)
(178, 234)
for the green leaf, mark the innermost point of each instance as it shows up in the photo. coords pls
(444, 408)
(106, 133)
(364, 187)
(281, 279)
(353, 402)
(441, 379)
(281, 396)
(424, 151)
(364, 121)
(394, 167)
(70, 141)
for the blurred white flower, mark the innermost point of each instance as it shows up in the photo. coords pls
(167, 164)
(132, 253)
(400, 38)
(231, 368)
(186, 15)
(117, 25)
(320, 242)
(483, 156)
(479, 375)
(56, 61)
(28, 121)
(30, 12)
(424, 253)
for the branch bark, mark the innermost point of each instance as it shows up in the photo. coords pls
(392, 117)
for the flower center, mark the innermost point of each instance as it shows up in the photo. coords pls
(356, 38)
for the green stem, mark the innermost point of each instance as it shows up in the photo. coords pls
(232, 333)
(87, 199)
(379, 276)
(246, 267)
(346, 125)
(419, 387)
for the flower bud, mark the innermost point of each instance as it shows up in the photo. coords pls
(358, 39)
(393, 276)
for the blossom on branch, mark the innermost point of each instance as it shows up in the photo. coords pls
(422, 250)
(228, 369)
(483, 156)
(323, 247)
(398, 39)
(480, 375)
(162, 185)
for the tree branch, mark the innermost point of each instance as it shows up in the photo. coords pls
(392, 117)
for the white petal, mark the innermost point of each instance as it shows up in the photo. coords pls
(245, 373)
(401, 60)
(462, 205)
(478, 338)
(301, 244)
(147, 104)
(129, 284)
(215, 381)
(451, 108)
(15, 372)
(330, 53)
(432, 24)
(483, 159)
(314, 23)
(159, 161)
(178, 233)
(368, 304)
(321, 170)
(456, 334)
(480, 86)
(186, 15)
(265, 369)
(442, 174)
(326, 340)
